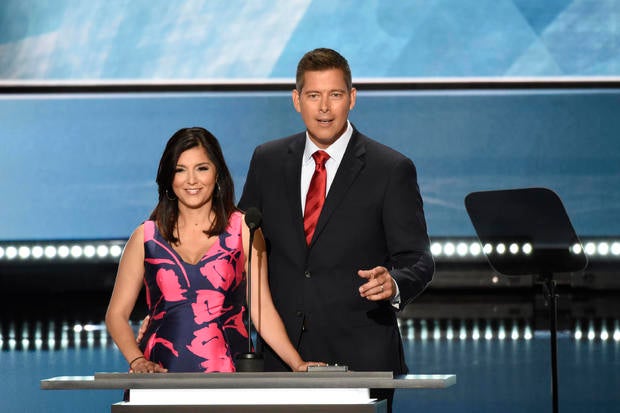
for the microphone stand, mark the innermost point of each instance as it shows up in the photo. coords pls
(250, 361)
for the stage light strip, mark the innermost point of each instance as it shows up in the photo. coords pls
(468, 249)
(63, 335)
(61, 251)
(445, 250)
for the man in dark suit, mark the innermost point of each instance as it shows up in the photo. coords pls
(338, 283)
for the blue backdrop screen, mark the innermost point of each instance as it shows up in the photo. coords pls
(82, 166)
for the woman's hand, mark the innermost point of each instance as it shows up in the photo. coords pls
(142, 365)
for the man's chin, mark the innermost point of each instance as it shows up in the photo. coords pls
(322, 142)
(324, 138)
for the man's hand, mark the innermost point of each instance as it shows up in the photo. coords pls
(304, 366)
(380, 284)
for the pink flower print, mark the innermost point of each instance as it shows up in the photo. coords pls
(209, 305)
(209, 344)
(168, 283)
(159, 316)
(236, 323)
(148, 294)
(231, 241)
(159, 261)
(153, 341)
(216, 272)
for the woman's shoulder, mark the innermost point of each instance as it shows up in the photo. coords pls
(146, 231)
(137, 236)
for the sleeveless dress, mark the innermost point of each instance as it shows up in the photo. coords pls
(196, 310)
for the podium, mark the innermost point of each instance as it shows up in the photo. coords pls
(338, 392)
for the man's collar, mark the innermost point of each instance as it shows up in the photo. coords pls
(335, 150)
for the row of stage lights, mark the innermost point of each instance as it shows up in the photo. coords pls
(95, 335)
(501, 332)
(111, 250)
(469, 249)
(62, 251)
(67, 336)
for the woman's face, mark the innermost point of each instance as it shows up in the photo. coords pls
(194, 178)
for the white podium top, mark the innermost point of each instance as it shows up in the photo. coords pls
(349, 379)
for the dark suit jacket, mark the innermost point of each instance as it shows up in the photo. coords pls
(372, 216)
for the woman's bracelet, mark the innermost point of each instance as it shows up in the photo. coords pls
(132, 361)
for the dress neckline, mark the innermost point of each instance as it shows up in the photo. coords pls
(180, 257)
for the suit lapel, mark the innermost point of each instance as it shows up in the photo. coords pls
(350, 166)
(292, 177)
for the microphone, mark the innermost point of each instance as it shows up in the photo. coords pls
(250, 361)
(253, 219)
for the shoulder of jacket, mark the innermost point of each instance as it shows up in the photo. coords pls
(280, 144)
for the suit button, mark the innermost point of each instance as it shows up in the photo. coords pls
(299, 314)
(307, 274)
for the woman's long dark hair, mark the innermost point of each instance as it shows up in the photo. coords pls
(166, 212)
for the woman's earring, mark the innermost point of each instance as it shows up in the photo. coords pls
(169, 198)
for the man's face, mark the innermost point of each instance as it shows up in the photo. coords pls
(324, 104)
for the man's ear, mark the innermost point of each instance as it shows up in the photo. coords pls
(353, 95)
(296, 97)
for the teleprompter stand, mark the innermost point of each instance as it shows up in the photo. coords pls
(527, 231)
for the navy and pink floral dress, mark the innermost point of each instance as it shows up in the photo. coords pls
(196, 310)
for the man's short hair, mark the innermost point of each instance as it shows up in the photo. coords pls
(322, 59)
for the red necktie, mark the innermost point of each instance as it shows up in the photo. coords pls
(316, 194)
